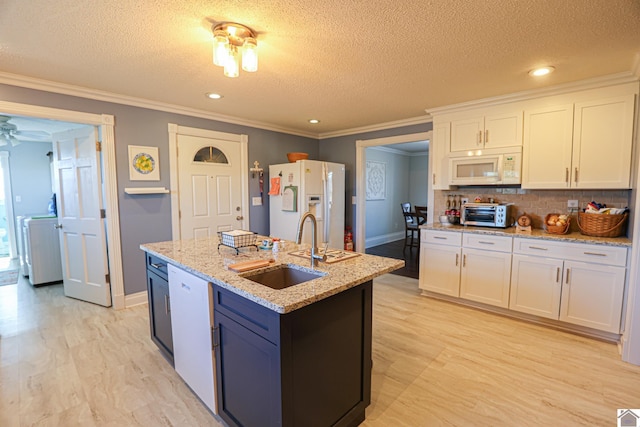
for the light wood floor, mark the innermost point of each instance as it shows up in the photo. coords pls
(68, 363)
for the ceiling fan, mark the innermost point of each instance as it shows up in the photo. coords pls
(9, 133)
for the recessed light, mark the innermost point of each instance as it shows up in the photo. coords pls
(214, 95)
(314, 121)
(542, 71)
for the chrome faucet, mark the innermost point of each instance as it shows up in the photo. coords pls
(314, 238)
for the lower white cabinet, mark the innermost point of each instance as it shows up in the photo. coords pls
(576, 283)
(191, 326)
(469, 266)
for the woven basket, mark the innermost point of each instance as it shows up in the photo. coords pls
(600, 225)
(557, 229)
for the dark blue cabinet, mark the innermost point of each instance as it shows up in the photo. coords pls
(310, 367)
(159, 306)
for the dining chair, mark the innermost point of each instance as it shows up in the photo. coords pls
(406, 207)
(411, 231)
(421, 212)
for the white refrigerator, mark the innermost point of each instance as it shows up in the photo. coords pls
(308, 185)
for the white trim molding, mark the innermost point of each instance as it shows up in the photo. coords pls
(138, 298)
(361, 158)
(106, 124)
(243, 140)
(382, 239)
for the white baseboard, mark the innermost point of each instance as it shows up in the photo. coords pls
(135, 299)
(381, 240)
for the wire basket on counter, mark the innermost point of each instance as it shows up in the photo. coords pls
(602, 225)
(237, 239)
(557, 229)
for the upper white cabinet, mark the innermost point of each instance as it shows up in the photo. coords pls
(438, 154)
(579, 145)
(486, 131)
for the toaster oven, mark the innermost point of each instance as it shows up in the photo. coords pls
(487, 214)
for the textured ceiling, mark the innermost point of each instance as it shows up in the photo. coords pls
(348, 63)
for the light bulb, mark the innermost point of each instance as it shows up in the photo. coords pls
(220, 48)
(250, 55)
(232, 64)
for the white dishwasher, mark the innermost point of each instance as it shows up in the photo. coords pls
(191, 325)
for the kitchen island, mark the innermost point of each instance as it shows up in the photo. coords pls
(283, 357)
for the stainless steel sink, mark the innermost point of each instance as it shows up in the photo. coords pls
(283, 277)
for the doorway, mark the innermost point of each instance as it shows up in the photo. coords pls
(110, 191)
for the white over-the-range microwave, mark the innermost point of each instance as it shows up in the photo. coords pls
(486, 167)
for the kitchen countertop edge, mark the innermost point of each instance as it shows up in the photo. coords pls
(200, 257)
(574, 237)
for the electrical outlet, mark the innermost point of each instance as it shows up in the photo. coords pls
(464, 200)
(572, 204)
(508, 191)
(256, 201)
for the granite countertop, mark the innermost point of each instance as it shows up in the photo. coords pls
(202, 258)
(575, 237)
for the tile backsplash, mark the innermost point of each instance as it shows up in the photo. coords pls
(536, 203)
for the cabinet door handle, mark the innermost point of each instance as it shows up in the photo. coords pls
(567, 279)
(167, 310)
(594, 253)
(433, 181)
(457, 259)
(479, 137)
(439, 238)
(486, 136)
(558, 275)
(158, 266)
(214, 337)
(486, 243)
(576, 176)
(464, 260)
(538, 248)
(566, 175)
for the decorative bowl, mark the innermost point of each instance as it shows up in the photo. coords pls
(453, 219)
(294, 157)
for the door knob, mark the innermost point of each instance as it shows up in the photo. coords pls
(239, 217)
(57, 226)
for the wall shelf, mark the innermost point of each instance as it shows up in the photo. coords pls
(146, 190)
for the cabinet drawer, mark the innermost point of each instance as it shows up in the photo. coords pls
(599, 254)
(157, 266)
(249, 314)
(451, 238)
(487, 242)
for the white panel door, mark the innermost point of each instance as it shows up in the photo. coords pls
(592, 295)
(440, 269)
(83, 243)
(209, 186)
(536, 285)
(486, 276)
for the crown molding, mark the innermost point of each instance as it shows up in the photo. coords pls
(595, 83)
(380, 126)
(98, 95)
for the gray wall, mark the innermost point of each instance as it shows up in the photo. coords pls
(30, 177)
(342, 149)
(418, 176)
(385, 216)
(147, 218)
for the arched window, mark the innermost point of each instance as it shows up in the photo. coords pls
(210, 155)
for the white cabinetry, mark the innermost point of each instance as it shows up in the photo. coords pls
(486, 269)
(489, 130)
(477, 269)
(438, 155)
(576, 283)
(440, 255)
(579, 145)
(191, 325)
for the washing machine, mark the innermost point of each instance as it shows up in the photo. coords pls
(42, 250)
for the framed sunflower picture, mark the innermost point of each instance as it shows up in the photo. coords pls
(144, 164)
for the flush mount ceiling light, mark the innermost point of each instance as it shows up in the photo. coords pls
(230, 41)
(212, 95)
(314, 121)
(542, 71)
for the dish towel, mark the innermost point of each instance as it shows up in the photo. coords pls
(274, 190)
